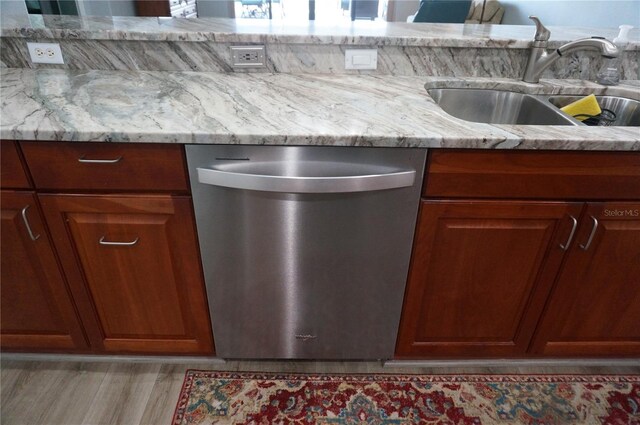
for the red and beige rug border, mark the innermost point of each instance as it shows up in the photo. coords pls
(192, 374)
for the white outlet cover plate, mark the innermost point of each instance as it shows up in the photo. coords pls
(45, 53)
(361, 58)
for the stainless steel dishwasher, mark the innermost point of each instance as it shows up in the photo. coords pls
(305, 249)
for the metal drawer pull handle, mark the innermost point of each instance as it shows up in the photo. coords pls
(573, 231)
(99, 161)
(593, 233)
(109, 243)
(26, 224)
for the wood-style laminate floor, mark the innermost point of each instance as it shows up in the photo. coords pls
(132, 393)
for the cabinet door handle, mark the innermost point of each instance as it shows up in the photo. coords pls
(110, 243)
(26, 224)
(99, 161)
(591, 235)
(573, 232)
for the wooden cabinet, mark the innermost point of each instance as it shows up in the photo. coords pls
(594, 309)
(120, 271)
(134, 260)
(502, 265)
(36, 309)
(480, 275)
(36, 312)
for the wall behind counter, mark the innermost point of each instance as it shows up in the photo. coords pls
(308, 59)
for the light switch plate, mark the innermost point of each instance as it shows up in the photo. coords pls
(361, 58)
(45, 53)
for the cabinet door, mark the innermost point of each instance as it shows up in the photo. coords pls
(134, 262)
(594, 310)
(480, 274)
(36, 312)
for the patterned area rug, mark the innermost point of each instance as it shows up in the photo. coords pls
(265, 399)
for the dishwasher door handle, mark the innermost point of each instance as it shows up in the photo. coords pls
(296, 184)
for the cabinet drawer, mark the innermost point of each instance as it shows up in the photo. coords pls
(106, 166)
(533, 174)
(12, 171)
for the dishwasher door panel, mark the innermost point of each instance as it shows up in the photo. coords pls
(305, 275)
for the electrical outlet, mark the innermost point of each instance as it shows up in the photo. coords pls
(248, 56)
(45, 53)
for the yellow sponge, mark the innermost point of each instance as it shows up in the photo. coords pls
(583, 107)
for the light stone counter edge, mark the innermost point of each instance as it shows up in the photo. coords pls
(277, 109)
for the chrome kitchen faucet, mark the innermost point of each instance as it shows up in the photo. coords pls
(540, 59)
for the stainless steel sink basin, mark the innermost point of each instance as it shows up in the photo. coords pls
(627, 111)
(499, 107)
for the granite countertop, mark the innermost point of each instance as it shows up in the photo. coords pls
(278, 109)
(265, 31)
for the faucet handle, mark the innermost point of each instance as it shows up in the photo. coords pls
(542, 33)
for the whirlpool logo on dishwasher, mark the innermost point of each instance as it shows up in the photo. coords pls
(621, 213)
